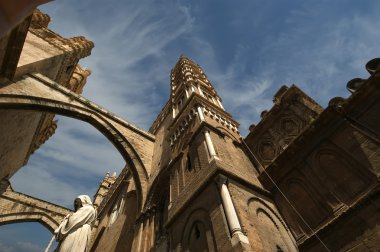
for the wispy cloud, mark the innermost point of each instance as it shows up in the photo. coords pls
(28, 247)
(129, 62)
(6, 248)
(71, 163)
(317, 50)
(126, 79)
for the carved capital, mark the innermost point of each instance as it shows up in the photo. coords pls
(220, 180)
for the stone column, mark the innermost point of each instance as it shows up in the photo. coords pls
(152, 227)
(209, 144)
(192, 89)
(138, 248)
(200, 113)
(200, 91)
(213, 100)
(146, 232)
(229, 209)
(220, 103)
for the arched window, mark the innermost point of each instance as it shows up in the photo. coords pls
(188, 163)
(197, 238)
(117, 209)
(279, 249)
(198, 235)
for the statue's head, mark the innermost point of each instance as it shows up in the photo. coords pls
(82, 200)
(77, 204)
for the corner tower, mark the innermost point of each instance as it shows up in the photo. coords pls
(216, 202)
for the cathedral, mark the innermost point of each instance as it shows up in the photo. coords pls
(304, 178)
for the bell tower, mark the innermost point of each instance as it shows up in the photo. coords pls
(216, 202)
(187, 78)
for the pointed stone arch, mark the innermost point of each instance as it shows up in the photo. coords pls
(198, 224)
(38, 93)
(18, 207)
(268, 221)
(344, 177)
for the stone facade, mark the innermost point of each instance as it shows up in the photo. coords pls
(304, 179)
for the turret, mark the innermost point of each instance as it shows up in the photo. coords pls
(103, 188)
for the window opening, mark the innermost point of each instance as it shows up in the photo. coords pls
(188, 163)
(197, 232)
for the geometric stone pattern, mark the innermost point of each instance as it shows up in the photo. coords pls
(293, 110)
(332, 167)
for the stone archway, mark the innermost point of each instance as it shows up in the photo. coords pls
(38, 93)
(18, 207)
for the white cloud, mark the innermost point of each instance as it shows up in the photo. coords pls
(120, 81)
(6, 248)
(28, 246)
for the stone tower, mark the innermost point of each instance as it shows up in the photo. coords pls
(216, 202)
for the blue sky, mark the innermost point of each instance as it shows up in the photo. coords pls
(248, 49)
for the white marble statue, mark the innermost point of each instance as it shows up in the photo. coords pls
(74, 232)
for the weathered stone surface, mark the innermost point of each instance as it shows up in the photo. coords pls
(17, 129)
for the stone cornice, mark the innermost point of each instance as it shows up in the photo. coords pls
(211, 112)
(40, 19)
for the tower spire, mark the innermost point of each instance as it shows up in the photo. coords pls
(191, 94)
(186, 78)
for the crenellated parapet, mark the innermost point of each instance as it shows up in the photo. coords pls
(40, 19)
(78, 45)
(78, 79)
(65, 54)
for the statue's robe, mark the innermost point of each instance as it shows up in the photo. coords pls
(75, 230)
